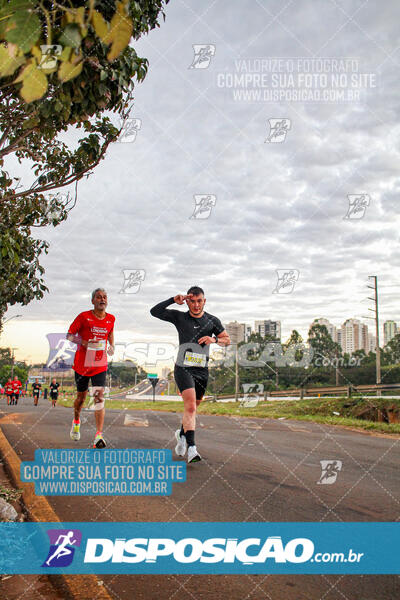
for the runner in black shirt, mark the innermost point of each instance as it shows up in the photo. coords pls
(197, 330)
(54, 392)
(36, 387)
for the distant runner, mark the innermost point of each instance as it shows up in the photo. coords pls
(93, 332)
(54, 392)
(36, 387)
(9, 390)
(17, 385)
(197, 330)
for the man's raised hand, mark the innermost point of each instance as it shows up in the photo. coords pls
(180, 298)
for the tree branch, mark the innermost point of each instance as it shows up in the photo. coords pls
(67, 181)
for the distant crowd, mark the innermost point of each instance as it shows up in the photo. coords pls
(13, 390)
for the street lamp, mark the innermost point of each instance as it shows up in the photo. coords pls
(13, 317)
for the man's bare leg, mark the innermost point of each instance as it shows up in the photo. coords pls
(75, 429)
(79, 401)
(99, 408)
(189, 409)
(190, 404)
(99, 412)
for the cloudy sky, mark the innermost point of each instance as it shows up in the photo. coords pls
(279, 204)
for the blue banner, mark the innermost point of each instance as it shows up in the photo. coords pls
(59, 472)
(199, 548)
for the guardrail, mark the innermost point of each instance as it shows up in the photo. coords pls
(346, 390)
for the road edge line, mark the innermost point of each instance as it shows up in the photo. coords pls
(80, 587)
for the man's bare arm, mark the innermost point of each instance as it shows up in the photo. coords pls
(110, 350)
(223, 339)
(76, 339)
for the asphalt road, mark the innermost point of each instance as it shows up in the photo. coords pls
(253, 470)
(142, 390)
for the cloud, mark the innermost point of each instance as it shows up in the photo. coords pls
(278, 205)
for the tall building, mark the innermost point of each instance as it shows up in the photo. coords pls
(247, 331)
(332, 330)
(389, 331)
(267, 327)
(371, 343)
(339, 337)
(236, 331)
(354, 336)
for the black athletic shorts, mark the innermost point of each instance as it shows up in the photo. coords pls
(54, 395)
(191, 377)
(82, 381)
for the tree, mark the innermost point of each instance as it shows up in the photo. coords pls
(20, 370)
(62, 65)
(322, 344)
(392, 351)
(6, 360)
(360, 356)
(5, 356)
(295, 340)
(125, 374)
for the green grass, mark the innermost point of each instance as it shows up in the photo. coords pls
(319, 410)
(9, 494)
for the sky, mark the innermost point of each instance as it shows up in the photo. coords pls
(282, 175)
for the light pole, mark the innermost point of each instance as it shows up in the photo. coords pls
(12, 362)
(236, 373)
(13, 317)
(376, 311)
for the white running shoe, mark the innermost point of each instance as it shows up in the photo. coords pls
(193, 455)
(181, 446)
(75, 431)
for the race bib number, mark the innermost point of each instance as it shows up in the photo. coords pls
(195, 360)
(97, 345)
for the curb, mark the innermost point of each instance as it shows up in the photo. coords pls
(79, 587)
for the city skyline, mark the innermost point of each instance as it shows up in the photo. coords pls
(172, 339)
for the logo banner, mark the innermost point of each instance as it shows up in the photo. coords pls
(199, 548)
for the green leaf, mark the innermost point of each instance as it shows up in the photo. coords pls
(31, 123)
(34, 83)
(100, 25)
(9, 63)
(23, 29)
(69, 70)
(71, 36)
(18, 4)
(65, 54)
(122, 28)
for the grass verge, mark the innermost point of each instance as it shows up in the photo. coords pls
(361, 413)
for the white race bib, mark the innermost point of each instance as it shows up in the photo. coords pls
(195, 360)
(97, 345)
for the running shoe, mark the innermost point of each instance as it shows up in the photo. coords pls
(75, 431)
(99, 441)
(193, 455)
(181, 446)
